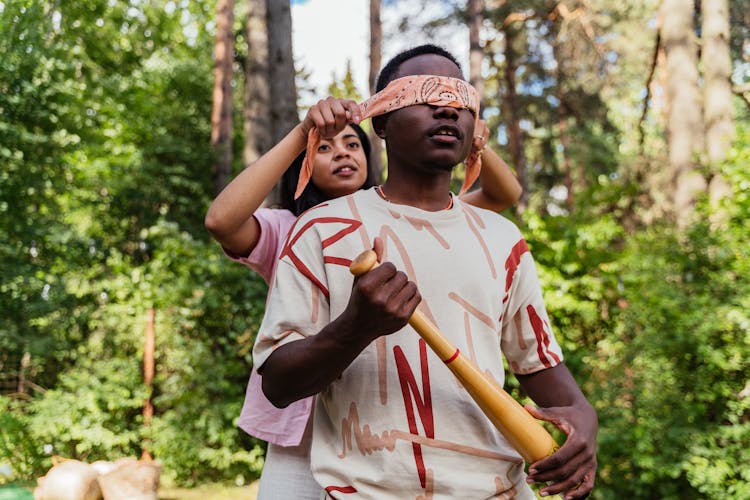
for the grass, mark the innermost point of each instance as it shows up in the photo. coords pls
(205, 492)
(16, 491)
(210, 492)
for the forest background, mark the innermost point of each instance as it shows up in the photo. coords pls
(626, 122)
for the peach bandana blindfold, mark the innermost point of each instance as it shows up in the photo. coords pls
(408, 91)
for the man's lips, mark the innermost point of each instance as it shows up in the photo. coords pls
(446, 134)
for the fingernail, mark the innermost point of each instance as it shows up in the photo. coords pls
(543, 493)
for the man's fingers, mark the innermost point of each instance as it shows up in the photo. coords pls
(583, 489)
(565, 478)
(556, 416)
(378, 246)
(409, 298)
(394, 285)
(576, 486)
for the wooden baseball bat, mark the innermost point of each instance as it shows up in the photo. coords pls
(523, 432)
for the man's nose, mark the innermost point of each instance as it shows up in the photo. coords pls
(446, 112)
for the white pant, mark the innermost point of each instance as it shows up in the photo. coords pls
(286, 474)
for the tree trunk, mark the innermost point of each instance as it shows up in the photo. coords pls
(475, 10)
(717, 93)
(281, 69)
(281, 77)
(256, 110)
(376, 54)
(685, 124)
(149, 369)
(717, 72)
(515, 137)
(562, 121)
(221, 114)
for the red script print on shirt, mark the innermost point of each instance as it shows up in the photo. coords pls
(409, 387)
(542, 337)
(351, 225)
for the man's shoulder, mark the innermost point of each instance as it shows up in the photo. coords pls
(490, 218)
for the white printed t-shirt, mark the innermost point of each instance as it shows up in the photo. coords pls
(397, 423)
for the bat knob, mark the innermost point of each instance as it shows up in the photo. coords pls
(363, 262)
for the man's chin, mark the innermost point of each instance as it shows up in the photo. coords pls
(444, 165)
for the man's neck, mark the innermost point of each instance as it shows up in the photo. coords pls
(427, 193)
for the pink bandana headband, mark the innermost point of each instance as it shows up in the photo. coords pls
(408, 91)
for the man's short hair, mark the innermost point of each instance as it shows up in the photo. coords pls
(388, 73)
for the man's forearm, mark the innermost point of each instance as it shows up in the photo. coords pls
(552, 387)
(381, 303)
(305, 367)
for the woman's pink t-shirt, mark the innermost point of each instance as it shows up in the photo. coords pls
(259, 418)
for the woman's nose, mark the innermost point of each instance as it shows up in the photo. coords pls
(340, 151)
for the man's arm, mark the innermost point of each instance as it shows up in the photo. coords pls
(571, 470)
(381, 303)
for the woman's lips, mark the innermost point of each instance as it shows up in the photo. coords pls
(345, 170)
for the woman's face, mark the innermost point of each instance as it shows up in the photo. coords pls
(340, 166)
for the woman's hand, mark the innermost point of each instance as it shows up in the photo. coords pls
(331, 115)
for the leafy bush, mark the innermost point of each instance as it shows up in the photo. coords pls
(18, 447)
(673, 374)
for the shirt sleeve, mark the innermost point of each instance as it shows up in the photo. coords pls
(274, 227)
(528, 341)
(297, 304)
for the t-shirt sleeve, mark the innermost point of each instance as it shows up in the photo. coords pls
(274, 227)
(528, 341)
(297, 305)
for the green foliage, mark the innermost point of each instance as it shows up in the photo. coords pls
(93, 413)
(18, 448)
(654, 323)
(672, 378)
(206, 314)
(105, 182)
(346, 88)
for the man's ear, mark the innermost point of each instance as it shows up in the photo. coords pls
(378, 124)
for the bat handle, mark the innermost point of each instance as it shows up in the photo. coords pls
(367, 261)
(364, 262)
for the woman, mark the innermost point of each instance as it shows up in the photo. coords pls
(255, 236)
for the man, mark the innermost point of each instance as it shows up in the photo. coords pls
(391, 421)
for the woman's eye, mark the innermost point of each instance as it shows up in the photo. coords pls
(323, 148)
(354, 145)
